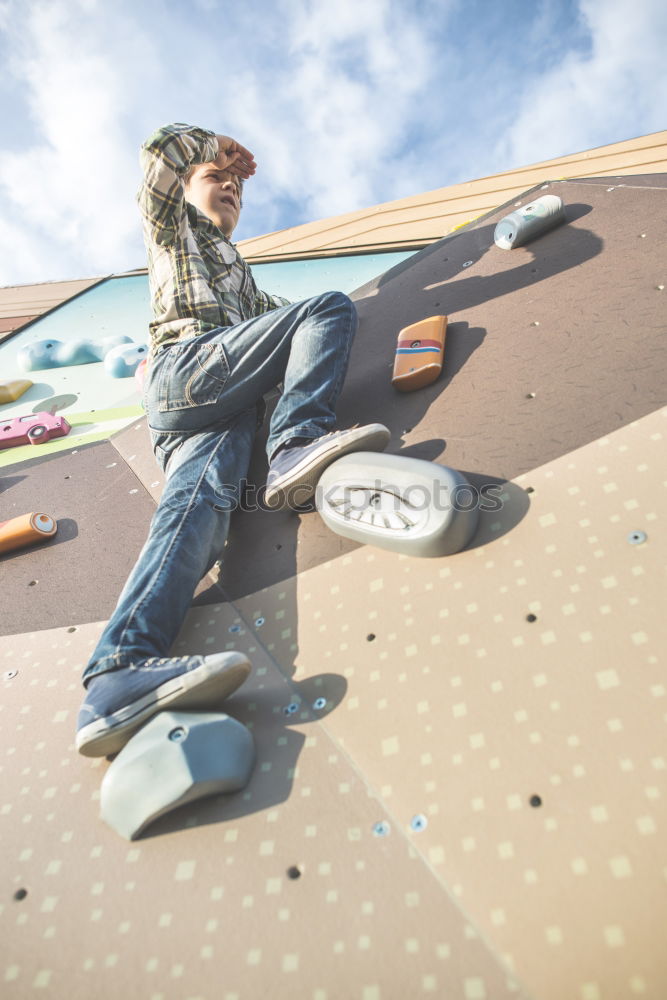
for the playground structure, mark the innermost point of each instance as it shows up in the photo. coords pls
(459, 778)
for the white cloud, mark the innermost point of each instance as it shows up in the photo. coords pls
(333, 128)
(72, 189)
(616, 91)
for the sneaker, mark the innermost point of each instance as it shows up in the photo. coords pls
(119, 702)
(294, 472)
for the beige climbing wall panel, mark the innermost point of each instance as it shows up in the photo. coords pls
(205, 905)
(459, 711)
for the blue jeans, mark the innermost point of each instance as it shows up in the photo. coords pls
(201, 399)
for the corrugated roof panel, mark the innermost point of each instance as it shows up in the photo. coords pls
(33, 300)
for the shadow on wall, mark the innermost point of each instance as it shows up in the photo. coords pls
(277, 747)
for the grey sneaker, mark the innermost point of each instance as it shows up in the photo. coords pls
(294, 472)
(119, 702)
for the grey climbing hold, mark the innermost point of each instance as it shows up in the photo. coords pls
(176, 758)
(406, 505)
(529, 222)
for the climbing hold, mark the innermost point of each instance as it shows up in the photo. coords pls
(10, 391)
(122, 361)
(27, 529)
(58, 354)
(33, 428)
(406, 505)
(419, 354)
(176, 758)
(526, 224)
(140, 374)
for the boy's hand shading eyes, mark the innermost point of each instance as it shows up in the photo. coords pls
(234, 157)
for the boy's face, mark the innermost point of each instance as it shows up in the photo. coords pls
(217, 194)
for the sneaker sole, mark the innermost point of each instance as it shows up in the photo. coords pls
(303, 478)
(199, 688)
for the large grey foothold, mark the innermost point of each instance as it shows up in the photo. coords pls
(402, 504)
(529, 222)
(175, 758)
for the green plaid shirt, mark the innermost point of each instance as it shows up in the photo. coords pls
(198, 279)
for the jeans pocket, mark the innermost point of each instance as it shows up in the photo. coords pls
(191, 374)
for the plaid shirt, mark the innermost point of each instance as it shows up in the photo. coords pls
(198, 279)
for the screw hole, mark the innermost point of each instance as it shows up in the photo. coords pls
(535, 801)
(531, 618)
(530, 489)
(418, 823)
(72, 628)
(294, 872)
(381, 829)
(32, 583)
(20, 894)
(370, 637)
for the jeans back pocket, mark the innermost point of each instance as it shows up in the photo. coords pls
(191, 374)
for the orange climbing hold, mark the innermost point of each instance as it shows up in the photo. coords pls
(27, 529)
(419, 354)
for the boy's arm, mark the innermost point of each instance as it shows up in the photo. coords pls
(264, 302)
(165, 157)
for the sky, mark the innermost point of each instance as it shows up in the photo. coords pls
(345, 104)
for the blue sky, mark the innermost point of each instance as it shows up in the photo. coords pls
(345, 104)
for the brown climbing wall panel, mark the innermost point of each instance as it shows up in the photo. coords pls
(103, 513)
(549, 346)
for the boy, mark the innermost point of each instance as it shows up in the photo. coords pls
(218, 344)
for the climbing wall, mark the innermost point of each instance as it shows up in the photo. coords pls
(94, 402)
(460, 779)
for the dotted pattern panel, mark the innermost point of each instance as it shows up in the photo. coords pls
(508, 706)
(287, 889)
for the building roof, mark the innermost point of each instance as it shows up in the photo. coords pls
(423, 218)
